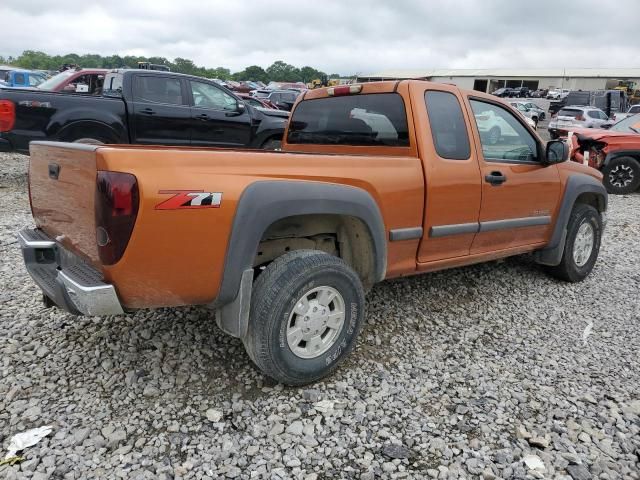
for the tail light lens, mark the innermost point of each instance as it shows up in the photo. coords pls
(117, 202)
(7, 115)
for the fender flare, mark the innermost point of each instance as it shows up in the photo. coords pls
(92, 124)
(620, 153)
(576, 185)
(264, 202)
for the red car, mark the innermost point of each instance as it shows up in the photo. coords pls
(615, 152)
(257, 101)
(85, 80)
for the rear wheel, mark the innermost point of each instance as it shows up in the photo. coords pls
(272, 144)
(89, 141)
(584, 232)
(307, 308)
(622, 175)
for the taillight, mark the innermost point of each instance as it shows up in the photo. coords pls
(7, 115)
(343, 90)
(117, 202)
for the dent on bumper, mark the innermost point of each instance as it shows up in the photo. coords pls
(64, 278)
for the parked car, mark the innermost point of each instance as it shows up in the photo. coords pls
(149, 107)
(575, 117)
(557, 93)
(23, 78)
(261, 103)
(527, 112)
(281, 99)
(540, 93)
(615, 152)
(494, 127)
(503, 92)
(84, 80)
(284, 245)
(520, 92)
(538, 113)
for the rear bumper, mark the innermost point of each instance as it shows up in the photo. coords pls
(66, 280)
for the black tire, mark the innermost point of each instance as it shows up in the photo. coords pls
(622, 175)
(494, 135)
(276, 293)
(272, 144)
(90, 141)
(568, 270)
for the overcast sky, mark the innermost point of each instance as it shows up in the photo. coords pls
(336, 36)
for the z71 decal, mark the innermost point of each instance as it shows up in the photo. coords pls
(189, 199)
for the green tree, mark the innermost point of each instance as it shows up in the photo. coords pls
(283, 72)
(309, 73)
(253, 73)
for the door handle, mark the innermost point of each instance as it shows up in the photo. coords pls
(495, 178)
(202, 116)
(148, 111)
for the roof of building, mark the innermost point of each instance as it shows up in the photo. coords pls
(509, 73)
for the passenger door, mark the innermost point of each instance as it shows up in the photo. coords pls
(519, 194)
(453, 189)
(215, 118)
(159, 111)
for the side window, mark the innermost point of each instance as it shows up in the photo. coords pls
(208, 96)
(158, 90)
(594, 114)
(19, 78)
(449, 131)
(34, 80)
(502, 136)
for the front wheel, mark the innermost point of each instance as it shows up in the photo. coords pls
(584, 232)
(307, 308)
(494, 135)
(622, 175)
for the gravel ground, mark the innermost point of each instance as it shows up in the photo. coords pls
(490, 371)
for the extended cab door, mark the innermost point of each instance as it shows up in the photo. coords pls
(215, 118)
(519, 193)
(159, 111)
(452, 200)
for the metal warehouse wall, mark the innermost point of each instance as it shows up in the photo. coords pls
(586, 83)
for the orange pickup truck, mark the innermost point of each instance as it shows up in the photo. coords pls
(374, 181)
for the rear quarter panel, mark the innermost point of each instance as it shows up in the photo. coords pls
(176, 257)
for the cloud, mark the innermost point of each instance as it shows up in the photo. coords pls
(355, 36)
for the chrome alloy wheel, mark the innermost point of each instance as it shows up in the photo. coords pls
(315, 322)
(621, 176)
(583, 244)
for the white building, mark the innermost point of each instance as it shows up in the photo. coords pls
(490, 79)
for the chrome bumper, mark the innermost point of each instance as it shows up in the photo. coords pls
(65, 280)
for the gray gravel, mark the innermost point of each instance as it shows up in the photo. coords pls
(485, 372)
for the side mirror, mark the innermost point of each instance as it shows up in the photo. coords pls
(557, 152)
(239, 110)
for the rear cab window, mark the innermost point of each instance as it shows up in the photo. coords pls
(569, 112)
(448, 128)
(377, 119)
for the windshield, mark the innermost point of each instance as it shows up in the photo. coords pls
(629, 124)
(56, 80)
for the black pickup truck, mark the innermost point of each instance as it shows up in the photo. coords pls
(139, 107)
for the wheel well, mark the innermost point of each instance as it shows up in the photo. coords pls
(340, 235)
(596, 201)
(87, 130)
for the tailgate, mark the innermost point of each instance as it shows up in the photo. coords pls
(62, 182)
